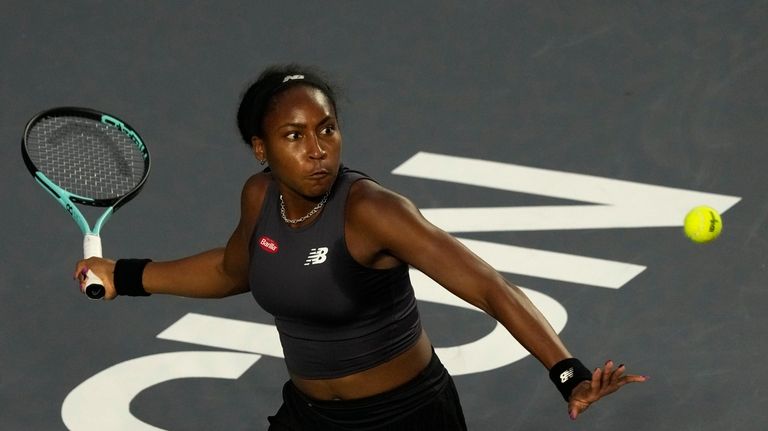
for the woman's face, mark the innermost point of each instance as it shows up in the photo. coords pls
(301, 142)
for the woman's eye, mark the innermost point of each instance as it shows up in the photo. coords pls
(328, 130)
(293, 136)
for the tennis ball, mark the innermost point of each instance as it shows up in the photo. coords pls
(703, 224)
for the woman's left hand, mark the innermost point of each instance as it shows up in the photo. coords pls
(604, 381)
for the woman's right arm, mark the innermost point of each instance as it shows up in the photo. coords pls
(212, 274)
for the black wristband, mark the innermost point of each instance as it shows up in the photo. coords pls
(127, 277)
(568, 373)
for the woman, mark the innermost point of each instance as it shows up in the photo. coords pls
(326, 250)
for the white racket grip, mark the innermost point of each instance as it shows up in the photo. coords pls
(92, 248)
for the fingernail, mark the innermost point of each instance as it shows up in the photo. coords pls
(84, 271)
(621, 365)
(572, 415)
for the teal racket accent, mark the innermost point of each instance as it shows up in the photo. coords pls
(108, 119)
(67, 200)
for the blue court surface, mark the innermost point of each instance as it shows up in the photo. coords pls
(561, 141)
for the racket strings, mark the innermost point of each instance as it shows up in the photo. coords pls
(86, 157)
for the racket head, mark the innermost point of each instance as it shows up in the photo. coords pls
(91, 157)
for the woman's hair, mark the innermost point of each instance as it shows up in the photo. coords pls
(256, 101)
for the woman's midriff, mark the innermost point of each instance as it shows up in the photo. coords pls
(382, 378)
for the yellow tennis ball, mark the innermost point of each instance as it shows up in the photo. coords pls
(703, 224)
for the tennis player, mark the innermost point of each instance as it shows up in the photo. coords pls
(326, 250)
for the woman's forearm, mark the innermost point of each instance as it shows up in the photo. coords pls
(199, 276)
(512, 308)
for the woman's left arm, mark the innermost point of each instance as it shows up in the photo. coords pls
(400, 230)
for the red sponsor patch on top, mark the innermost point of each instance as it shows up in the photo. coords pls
(268, 244)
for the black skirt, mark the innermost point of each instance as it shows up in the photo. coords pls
(428, 402)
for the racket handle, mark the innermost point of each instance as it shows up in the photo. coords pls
(94, 290)
(94, 287)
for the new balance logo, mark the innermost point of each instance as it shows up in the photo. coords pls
(316, 256)
(566, 375)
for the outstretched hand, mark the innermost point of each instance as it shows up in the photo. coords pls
(103, 268)
(604, 381)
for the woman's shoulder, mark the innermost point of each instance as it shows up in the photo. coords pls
(257, 183)
(254, 191)
(383, 222)
(370, 200)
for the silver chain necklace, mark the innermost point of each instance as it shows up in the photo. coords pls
(312, 212)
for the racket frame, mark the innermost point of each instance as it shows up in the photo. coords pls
(91, 236)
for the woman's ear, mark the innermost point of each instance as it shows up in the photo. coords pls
(257, 146)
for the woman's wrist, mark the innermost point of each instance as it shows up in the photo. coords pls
(567, 374)
(128, 277)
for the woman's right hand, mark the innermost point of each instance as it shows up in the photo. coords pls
(102, 268)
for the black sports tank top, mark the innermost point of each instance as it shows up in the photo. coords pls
(335, 317)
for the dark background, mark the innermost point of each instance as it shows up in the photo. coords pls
(667, 93)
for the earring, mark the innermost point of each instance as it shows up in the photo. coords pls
(263, 162)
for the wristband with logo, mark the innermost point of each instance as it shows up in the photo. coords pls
(128, 277)
(567, 374)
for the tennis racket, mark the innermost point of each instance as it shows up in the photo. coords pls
(85, 157)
